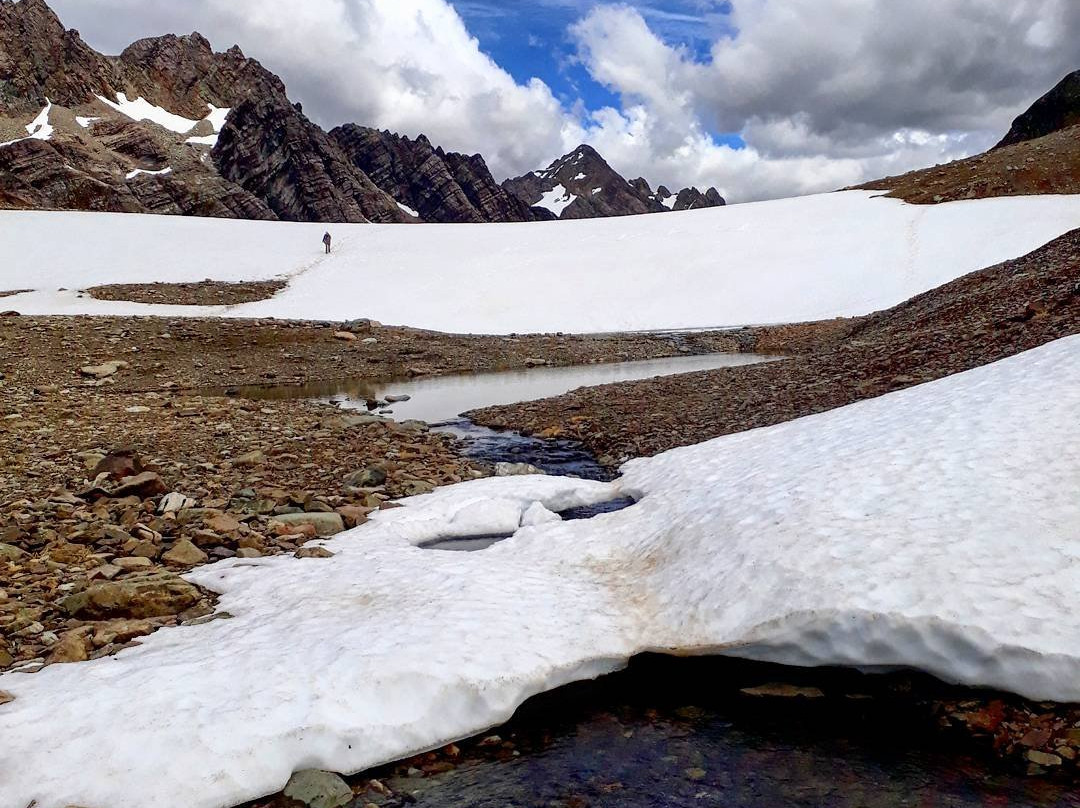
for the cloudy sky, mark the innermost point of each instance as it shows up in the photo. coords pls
(760, 98)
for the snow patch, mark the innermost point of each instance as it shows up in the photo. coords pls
(579, 177)
(217, 116)
(142, 110)
(408, 210)
(37, 129)
(557, 200)
(669, 203)
(138, 171)
(85, 123)
(929, 528)
(811, 258)
(203, 140)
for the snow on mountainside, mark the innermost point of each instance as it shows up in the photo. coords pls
(782, 261)
(581, 185)
(928, 528)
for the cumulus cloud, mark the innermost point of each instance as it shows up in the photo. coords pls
(825, 93)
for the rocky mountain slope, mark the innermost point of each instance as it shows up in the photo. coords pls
(433, 185)
(170, 126)
(269, 148)
(581, 185)
(1039, 155)
(1058, 109)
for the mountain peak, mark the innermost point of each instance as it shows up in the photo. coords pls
(582, 185)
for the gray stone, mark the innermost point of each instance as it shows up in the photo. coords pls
(371, 477)
(516, 469)
(318, 789)
(1043, 758)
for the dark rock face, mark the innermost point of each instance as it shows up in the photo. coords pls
(692, 199)
(1057, 110)
(440, 187)
(271, 150)
(582, 185)
(39, 58)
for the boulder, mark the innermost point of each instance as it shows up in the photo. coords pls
(156, 594)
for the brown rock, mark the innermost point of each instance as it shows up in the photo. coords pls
(145, 485)
(223, 523)
(71, 648)
(313, 552)
(184, 554)
(121, 631)
(353, 515)
(118, 465)
(133, 563)
(157, 594)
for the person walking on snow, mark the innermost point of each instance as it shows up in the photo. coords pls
(326, 240)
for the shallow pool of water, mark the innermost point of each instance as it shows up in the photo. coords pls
(442, 398)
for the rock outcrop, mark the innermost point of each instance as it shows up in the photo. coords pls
(1058, 109)
(40, 59)
(273, 151)
(183, 74)
(582, 185)
(438, 186)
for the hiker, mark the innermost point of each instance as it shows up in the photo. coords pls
(326, 240)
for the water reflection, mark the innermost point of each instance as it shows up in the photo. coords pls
(442, 398)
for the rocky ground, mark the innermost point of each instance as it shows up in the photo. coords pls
(193, 354)
(203, 293)
(1046, 165)
(120, 471)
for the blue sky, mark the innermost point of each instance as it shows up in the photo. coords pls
(529, 39)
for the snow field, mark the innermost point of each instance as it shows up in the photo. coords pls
(784, 261)
(932, 528)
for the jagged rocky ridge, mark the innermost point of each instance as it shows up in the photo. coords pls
(436, 185)
(223, 139)
(581, 185)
